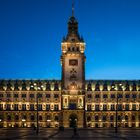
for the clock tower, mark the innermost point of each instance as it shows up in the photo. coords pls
(73, 75)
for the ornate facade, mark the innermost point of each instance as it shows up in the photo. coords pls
(71, 101)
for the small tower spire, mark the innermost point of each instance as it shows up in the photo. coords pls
(72, 8)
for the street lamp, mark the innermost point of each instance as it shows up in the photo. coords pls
(37, 123)
(37, 129)
(116, 127)
(23, 122)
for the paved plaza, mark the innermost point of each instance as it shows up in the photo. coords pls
(55, 134)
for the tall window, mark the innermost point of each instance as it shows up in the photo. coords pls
(56, 108)
(23, 106)
(104, 107)
(126, 107)
(112, 107)
(8, 107)
(15, 106)
(40, 107)
(97, 107)
(119, 106)
(47, 106)
(134, 107)
(88, 107)
(31, 106)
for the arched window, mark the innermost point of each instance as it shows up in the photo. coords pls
(126, 117)
(40, 118)
(133, 118)
(88, 118)
(119, 118)
(96, 118)
(32, 117)
(111, 118)
(56, 118)
(8, 118)
(104, 118)
(16, 117)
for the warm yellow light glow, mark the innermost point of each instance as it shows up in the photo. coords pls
(23, 120)
(123, 120)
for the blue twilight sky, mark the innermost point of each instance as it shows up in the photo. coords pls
(31, 32)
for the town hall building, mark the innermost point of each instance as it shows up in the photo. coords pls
(72, 100)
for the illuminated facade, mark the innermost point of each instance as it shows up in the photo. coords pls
(72, 100)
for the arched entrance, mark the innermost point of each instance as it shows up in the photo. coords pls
(73, 120)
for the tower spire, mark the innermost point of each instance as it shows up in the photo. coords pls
(72, 8)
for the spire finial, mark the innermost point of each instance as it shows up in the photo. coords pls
(73, 8)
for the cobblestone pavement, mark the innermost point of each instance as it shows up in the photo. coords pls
(55, 134)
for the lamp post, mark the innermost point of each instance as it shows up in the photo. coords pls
(37, 125)
(116, 127)
(0, 122)
(23, 122)
(37, 120)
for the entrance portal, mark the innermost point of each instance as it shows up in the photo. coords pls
(73, 120)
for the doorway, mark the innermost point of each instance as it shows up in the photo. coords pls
(73, 120)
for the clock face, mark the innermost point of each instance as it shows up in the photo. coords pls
(73, 62)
